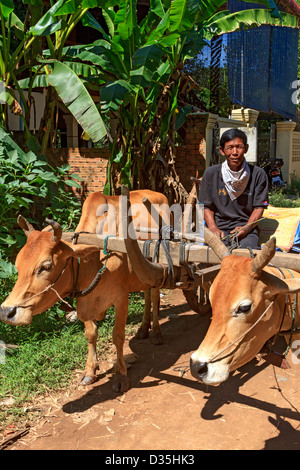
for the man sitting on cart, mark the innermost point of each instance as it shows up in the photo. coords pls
(234, 194)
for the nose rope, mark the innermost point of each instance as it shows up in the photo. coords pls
(45, 290)
(257, 321)
(77, 294)
(244, 334)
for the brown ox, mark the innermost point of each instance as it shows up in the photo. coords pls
(248, 308)
(46, 260)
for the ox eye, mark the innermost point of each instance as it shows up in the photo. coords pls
(243, 308)
(44, 267)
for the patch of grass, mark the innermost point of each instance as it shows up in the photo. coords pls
(40, 365)
(48, 352)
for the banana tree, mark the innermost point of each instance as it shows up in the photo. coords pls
(16, 43)
(20, 53)
(141, 63)
(56, 27)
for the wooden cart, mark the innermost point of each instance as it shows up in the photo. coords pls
(179, 263)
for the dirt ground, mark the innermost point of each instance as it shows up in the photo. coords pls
(166, 408)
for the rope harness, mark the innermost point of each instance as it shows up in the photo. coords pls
(234, 237)
(280, 361)
(292, 330)
(99, 274)
(165, 234)
(50, 287)
(75, 294)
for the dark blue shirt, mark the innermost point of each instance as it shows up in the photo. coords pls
(230, 214)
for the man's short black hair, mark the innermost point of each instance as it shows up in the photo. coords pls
(232, 134)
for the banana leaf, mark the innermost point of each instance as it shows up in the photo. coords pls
(207, 8)
(182, 15)
(89, 20)
(145, 61)
(159, 7)
(193, 43)
(76, 98)
(113, 94)
(49, 24)
(7, 6)
(38, 81)
(270, 4)
(247, 18)
(68, 7)
(108, 16)
(160, 78)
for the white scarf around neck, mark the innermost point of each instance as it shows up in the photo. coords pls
(235, 181)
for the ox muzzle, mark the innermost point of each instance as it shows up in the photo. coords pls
(198, 369)
(15, 315)
(209, 373)
(7, 313)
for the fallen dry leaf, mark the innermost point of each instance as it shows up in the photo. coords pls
(107, 416)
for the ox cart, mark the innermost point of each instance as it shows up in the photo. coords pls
(172, 262)
(187, 264)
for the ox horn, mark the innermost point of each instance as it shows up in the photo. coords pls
(25, 225)
(264, 256)
(150, 274)
(56, 229)
(215, 243)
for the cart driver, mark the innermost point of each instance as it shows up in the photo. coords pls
(234, 194)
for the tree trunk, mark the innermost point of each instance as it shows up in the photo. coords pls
(47, 119)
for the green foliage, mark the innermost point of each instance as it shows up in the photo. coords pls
(80, 104)
(280, 199)
(294, 186)
(31, 187)
(137, 67)
(287, 197)
(43, 360)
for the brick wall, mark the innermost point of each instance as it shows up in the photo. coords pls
(190, 159)
(91, 164)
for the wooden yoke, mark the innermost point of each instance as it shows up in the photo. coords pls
(150, 274)
(154, 274)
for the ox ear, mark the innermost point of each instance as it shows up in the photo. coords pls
(81, 251)
(281, 286)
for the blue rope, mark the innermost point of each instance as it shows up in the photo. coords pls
(105, 244)
(106, 252)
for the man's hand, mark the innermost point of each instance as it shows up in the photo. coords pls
(209, 218)
(242, 231)
(217, 231)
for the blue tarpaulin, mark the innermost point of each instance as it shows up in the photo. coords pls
(296, 246)
(262, 66)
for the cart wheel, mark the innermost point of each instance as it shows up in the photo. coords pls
(198, 300)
